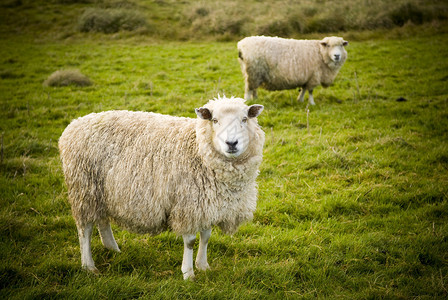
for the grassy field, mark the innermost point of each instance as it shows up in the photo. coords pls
(353, 194)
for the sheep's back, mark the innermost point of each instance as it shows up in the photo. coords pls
(285, 63)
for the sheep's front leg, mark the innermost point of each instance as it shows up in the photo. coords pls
(187, 261)
(201, 257)
(107, 236)
(310, 97)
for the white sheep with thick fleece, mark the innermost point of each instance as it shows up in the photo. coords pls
(150, 172)
(276, 63)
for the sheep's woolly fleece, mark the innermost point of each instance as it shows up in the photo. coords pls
(149, 172)
(278, 63)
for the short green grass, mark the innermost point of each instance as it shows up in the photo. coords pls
(353, 194)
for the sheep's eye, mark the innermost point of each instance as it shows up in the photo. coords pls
(215, 121)
(244, 120)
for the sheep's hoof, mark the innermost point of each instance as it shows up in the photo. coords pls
(189, 275)
(92, 269)
(202, 267)
(115, 249)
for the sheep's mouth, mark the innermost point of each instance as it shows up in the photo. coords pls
(232, 151)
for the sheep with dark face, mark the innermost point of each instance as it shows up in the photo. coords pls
(150, 172)
(279, 64)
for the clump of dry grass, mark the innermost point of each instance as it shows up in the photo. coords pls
(111, 20)
(216, 19)
(67, 77)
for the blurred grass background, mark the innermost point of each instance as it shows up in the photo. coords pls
(216, 20)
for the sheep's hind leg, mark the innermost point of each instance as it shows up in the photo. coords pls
(201, 257)
(302, 95)
(85, 233)
(187, 261)
(107, 237)
(247, 91)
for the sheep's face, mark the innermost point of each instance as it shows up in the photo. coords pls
(333, 49)
(231, 126)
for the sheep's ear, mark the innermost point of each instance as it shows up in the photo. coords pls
(344, 43)
(324, 42)
(255, 110)
(203, 113)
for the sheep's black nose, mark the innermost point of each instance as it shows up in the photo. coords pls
(232, 144)
(336, 56)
